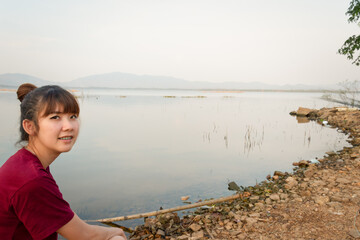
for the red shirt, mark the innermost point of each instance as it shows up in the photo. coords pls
(31, 204)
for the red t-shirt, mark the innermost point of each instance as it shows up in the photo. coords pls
(31, 204)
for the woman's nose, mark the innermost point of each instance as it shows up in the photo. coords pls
(67, 124)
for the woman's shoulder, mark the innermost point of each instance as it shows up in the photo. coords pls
(21, 167)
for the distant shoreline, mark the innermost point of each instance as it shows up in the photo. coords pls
(13, 89)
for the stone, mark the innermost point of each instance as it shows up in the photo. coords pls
(290, 183)
(335, 205)
(228, 226)
(308, 173)
(149, 222)
(354, 233)
(305, 193)
(254, 198)
(160, 232)
(279, 173)
(259, 205)
(183, 237)
(321, 200)
(303, 163)
(318, 183)
(304, 111)
(283, 196)
(331, 153)
(250, 221)
(197, 235)
(254, 215)
(195, 227)
(343, 181)
(184, 198)
(274, 197)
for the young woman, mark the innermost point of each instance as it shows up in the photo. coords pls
(31, 204)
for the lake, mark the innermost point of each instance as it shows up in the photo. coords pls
(139, 150)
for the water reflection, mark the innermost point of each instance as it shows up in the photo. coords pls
(143, 151)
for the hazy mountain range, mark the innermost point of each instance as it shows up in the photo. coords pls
(127, 80)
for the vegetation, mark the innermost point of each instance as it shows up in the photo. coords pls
(348, 94)
(351, 46)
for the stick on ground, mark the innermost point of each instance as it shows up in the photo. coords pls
(179, 208)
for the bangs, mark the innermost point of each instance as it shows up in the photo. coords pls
(56, 98)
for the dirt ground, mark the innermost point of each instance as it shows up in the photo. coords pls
(317, 201)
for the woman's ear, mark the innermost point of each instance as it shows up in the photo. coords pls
(29, 127)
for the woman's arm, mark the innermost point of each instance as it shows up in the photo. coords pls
(77, 229)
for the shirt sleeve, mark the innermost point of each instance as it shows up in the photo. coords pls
(40, 206)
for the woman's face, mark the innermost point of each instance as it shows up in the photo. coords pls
(57, 132)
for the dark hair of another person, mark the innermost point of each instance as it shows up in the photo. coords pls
(43, 100)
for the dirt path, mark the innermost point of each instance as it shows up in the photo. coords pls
(317, 201)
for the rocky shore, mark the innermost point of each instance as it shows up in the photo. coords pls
(318, 200)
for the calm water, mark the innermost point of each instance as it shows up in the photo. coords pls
(139, 151)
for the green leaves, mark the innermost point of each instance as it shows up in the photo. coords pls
(354, 11)
(351, 46)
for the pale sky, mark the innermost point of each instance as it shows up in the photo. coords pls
(271, 41)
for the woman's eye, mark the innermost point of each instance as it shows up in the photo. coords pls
(74, 117)
(55, 117)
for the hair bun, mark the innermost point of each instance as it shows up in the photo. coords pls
(24, 89)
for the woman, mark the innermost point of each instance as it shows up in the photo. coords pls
(31, 204)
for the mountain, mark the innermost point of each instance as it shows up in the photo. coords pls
(127, 80)
(16, 79)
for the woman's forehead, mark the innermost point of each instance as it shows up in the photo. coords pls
(57, 108)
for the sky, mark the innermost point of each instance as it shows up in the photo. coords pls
(275, 42)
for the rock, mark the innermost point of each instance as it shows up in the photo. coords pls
(235, 216)
(259, 205)
(228, 226)
(290, 183)
(268, 201)
(279, 173)
(274, 197)
(254, 215)
(183, 237)
(295, 164)
(184, 198)
(250, 221)
(331, 153)
(149, 222)
(197, 235)
(254, 198)
(306, 193)
(308, 173)
(335, 205)
(321, 200)
(318, 183)
(339, 161)
(160, 233)
(195, 227)
(303, 163)
(343, 181)
(232, 186)
(283, 196)
(354, 233)
(304, 111)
